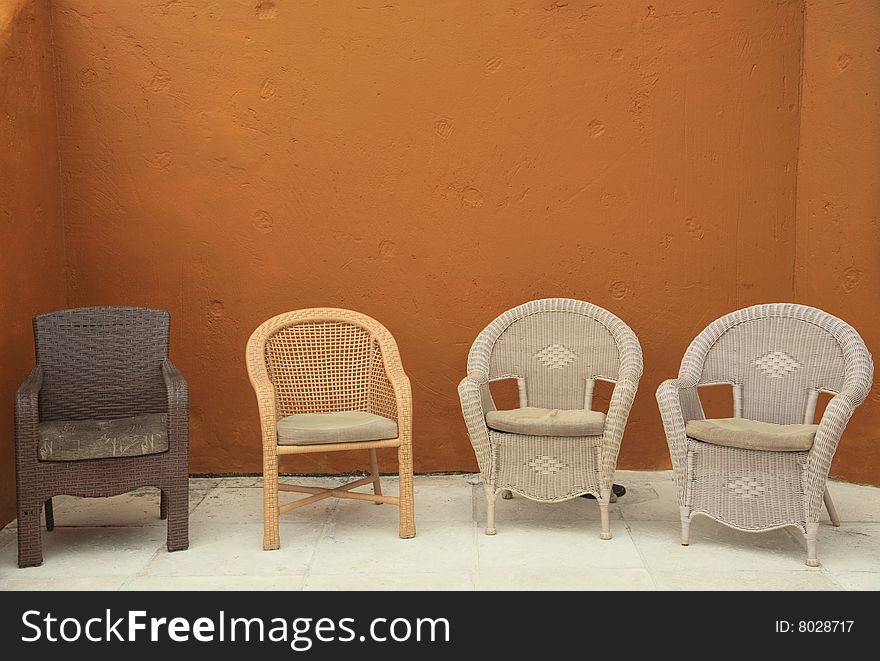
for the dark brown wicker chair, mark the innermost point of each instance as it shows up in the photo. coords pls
(103, 412)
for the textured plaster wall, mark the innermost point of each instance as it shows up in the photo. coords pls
(433, 166)
(31, 238)
(838, 212)
(430, 164)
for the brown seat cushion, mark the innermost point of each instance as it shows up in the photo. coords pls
(752, 434)
(339, 427)
(74, 440)
(533, 421)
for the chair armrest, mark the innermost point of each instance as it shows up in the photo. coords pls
(265, 393)
(622, 398)
(486, 400)
(177, 393)
(27, 417)
(831, 426)
(471, 396)
(672, 398)
(27, 398)
(402, 388)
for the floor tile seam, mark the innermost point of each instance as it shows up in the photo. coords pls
(641, 554)
(325, 525)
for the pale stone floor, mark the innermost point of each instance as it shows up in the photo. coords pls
(119, 543)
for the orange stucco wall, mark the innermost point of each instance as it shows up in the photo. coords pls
(429, 164)
(433, 164)
(31, 239)
(838, 212)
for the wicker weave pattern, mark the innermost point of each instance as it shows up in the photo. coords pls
(777, 358)
(101, 364)
(551, 471)
(320, 367)
(556, 349)
(325, 360)
(761, 490)
(124, 371)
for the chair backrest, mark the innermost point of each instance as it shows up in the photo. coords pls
(556, 348)
(778, 357)
(324, 360)
(102, 362)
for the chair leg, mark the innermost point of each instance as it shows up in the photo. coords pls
(491, 495)
(271, 538)
(832, 510)
(407, 506)
(374, 473)
(506, 494)
(50, 515)
(177, 504)
(811, 534)
(30, 542)
(603, 513)
(685, 525)
(163, 504)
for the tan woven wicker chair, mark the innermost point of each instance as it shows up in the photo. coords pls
(329, 380)
(554, 447)
(766, 467)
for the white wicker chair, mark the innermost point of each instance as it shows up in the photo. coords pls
(777, 358)
(556, 349)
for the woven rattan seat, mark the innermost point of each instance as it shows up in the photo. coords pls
(76, 440)
(752, 434)
(533, 421)
(339, 427)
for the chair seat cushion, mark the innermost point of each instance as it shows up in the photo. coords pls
(533, 421)
(339, 427)
(752, 434)
(74, 440)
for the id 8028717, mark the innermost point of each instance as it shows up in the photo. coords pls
(814, 626)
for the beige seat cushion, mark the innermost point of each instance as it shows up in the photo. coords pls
(74, 440)
(533, 421)
(752, 434)
(339, 427)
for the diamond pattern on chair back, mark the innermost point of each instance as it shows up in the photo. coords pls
(556, 353)
(103, 362)
(778, 361)
(323, 367)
